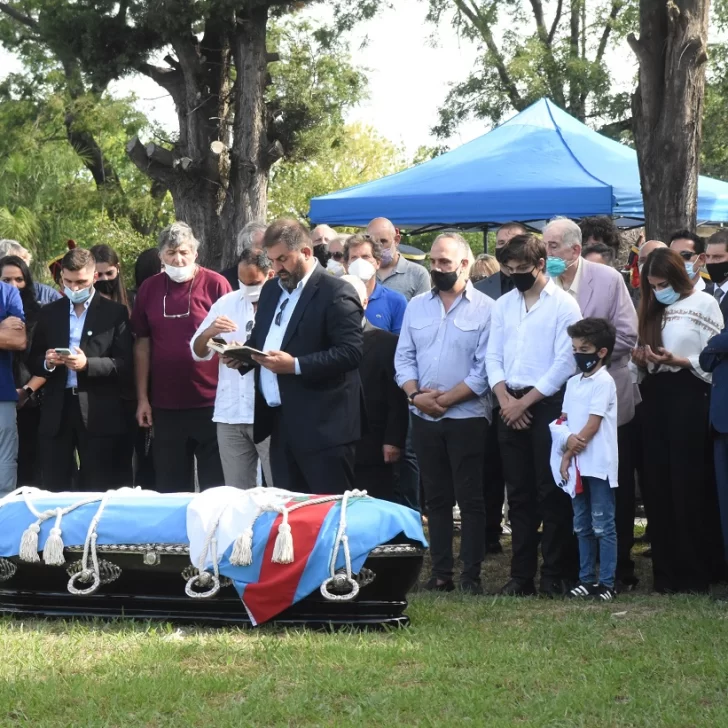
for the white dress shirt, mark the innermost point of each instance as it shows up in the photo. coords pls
(288, 300)
(699, 284)
(235, 397)
(573, 289)
(532, 348)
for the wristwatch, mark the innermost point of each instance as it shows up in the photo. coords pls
(411, 397)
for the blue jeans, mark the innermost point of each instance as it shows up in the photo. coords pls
(594, 521)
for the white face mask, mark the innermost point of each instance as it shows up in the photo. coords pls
(336, 268)
(251, 293)
(362, 269)
(180, 275)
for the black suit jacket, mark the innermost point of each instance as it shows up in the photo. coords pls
(231, 276)
(493, 286)
(321, 407)
(107, 343)
(386, 404)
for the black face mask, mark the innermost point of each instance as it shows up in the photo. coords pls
(444, 281)
(321, 253)
(718, 272)
(587, 362)
(523, 281)
(107, 287)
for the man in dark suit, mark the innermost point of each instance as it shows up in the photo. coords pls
(308, 392)
(83, 347)
(251, 236)
(494, 487)
(386, 407)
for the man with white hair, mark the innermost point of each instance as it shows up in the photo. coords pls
(386, 408)
(321, 237)
(395, 271)
(43, 294)
(602, 293)
(440, 364)
(169, 308)
(251, 236)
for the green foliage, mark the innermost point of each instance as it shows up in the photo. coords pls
(351, 155)
(559, 53)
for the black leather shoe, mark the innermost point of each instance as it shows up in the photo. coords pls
(494, 548)
(554, 588)
(472, 587)
(517, 588)
(434, 584)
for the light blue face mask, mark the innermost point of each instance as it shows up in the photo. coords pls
(666, 296)
(555, 267)
(80, 296)
(690, 268)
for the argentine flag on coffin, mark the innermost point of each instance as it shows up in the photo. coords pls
(268, 588)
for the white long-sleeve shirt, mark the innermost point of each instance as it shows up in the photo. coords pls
(531, 348)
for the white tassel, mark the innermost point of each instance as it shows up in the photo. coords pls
(283, 550)
(242, 554)
(29, 544)
(53, 549)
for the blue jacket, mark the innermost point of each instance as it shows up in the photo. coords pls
(715, 359)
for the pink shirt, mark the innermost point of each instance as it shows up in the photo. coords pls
(177, 381)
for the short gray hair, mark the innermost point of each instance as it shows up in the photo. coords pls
(245, 236)
(572, 232)
(13, 247)
(176, 234)
(463, 247)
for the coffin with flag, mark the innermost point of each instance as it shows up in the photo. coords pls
(222, 556)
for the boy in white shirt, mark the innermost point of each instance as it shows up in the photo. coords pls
(590, 414)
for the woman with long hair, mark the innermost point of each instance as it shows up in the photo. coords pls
(675, 324)
(110, 281)
(15, 272)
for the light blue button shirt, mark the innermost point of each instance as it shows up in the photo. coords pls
(277, 332)
(74, 339)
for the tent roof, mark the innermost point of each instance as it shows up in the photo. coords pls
(541, 163)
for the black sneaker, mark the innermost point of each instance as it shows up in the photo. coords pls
(604, 593)
(471, 586)
(583, 591)
(434, 584)
(494, 548)
(517, 588)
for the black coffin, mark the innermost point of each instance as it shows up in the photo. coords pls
(148, 582)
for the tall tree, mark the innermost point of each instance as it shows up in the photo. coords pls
(667, 109)
(220, 68)
(554, 48)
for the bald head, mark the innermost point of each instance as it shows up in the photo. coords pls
(647, 248)
(382, 231)
(323, 234)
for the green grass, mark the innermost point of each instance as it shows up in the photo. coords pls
(641, 661)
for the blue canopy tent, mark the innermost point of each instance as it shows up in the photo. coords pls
(540, 163)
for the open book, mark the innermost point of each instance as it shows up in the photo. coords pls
(240, 352)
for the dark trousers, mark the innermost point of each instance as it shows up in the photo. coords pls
(180, 437)
(720, 449)
(534, 498)
(327, 471)
(494, 487)
(95, 454)
(450, 453)
(679, 482)
(377, 480)
(407, 474)
(625, 501)
(29, 471)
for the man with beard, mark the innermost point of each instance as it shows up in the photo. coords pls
(308, 392)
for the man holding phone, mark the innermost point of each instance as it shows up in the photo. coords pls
(83, 347)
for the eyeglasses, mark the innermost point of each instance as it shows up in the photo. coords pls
(279, 315)
(177, 315)
(337, 256)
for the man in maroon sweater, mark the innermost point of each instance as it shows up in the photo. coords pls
(168, 309)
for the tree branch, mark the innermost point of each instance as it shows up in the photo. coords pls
(137, 152)
(616, 7)
(557, 20)
(637, 48)
(474, 15)
(17, 15)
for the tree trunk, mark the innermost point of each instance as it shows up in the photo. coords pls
(667, 110)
